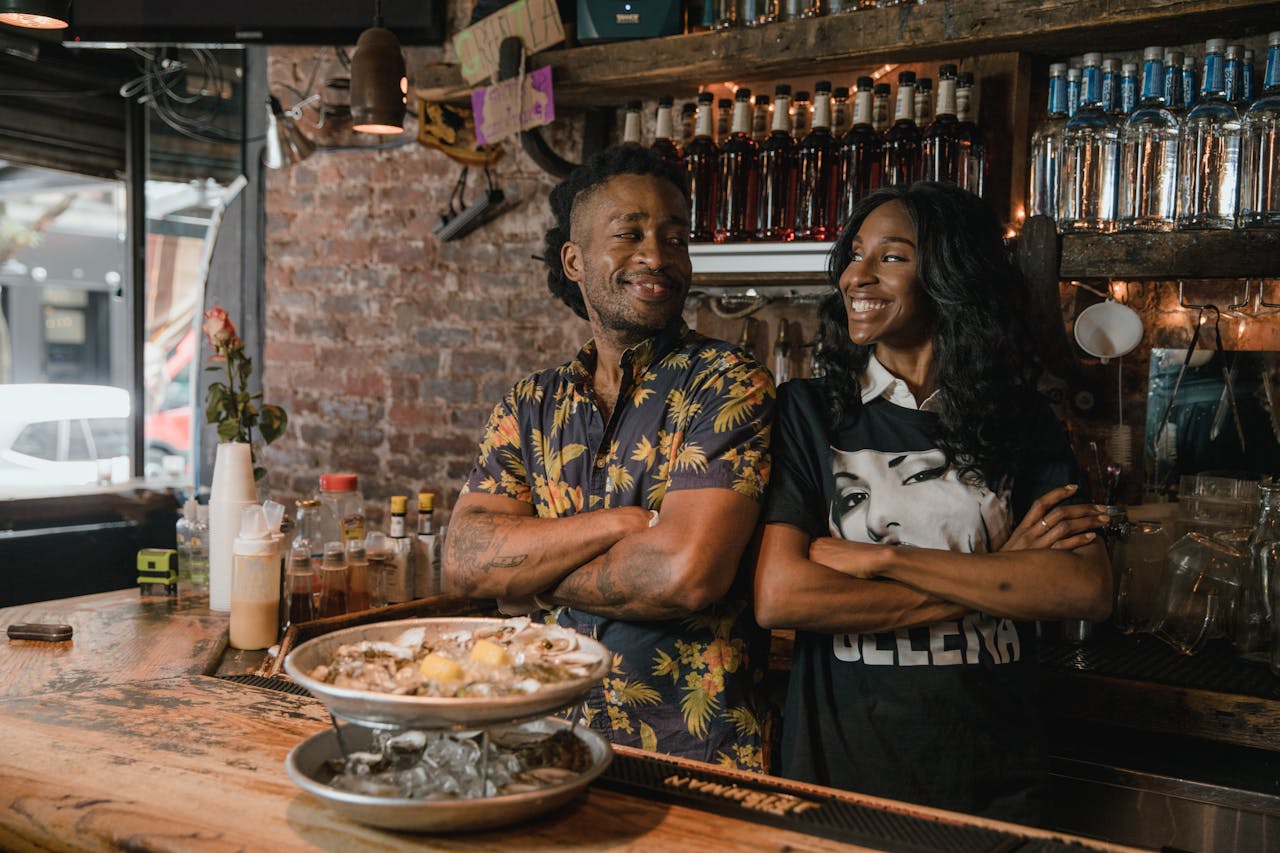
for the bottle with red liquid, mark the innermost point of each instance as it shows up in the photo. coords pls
(299, 586)
(817, 164)
(860, 165)
(664, 127)
(739, 176)
(333, 580)
(702, 163)
(902, 140)
(777, 205)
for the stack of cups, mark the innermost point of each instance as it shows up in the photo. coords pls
(231, 492)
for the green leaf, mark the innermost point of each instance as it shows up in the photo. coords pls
(228, 430)
(272, 422)
(215, 402)
(259, 472)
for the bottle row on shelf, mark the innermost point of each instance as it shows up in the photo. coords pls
(800, 178)
(1111, 156)
(702, 15)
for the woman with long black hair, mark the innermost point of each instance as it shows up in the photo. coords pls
(923, 515)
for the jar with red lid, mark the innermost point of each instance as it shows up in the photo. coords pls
(341, 494)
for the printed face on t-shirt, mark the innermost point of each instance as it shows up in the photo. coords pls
(913, 498)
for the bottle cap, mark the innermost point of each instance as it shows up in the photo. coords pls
(666, 101)
(355, 551)
(802, 95)
(1073, 73)
(634, 106)
(782, 89)
(274, 513)
(966, 78)
(338, 482)
(1153, 53)
(882, 89)
(335, 556)
(1235, 51)
(1058, 69)
(376, 543)
(1215, 45)
(1110, 64)
(865, 83)
(762, 100)
(948, 70)
(907, 77)
(688, 109)
(841, 92)
(253, 523)
(1273, 39)
(399, 504)
(190, 509)
(1173, 58)
(724, 103)
(1091, 60)
(706, 98)
(426, 501)
(308, 503)
(1129, 69)
(822, 86)
(743, 94)
(924, 84)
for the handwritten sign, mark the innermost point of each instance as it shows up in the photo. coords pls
(501, 110)
(536, 22)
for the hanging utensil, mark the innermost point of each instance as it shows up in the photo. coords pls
(1182, 371)
(1227, 381)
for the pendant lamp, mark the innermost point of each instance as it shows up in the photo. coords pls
(379, 88)
(36, 14)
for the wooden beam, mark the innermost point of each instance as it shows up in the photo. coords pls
(1175, 255)
(604, 73)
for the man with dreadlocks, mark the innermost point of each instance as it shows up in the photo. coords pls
(617, 492)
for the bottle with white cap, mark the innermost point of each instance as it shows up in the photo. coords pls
(1149, 145)
(255, 583)
(1089, 170)
(1260, 149)
(182, 533)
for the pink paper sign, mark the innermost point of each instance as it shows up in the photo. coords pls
(501, 111)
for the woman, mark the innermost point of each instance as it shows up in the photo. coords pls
(923, 514)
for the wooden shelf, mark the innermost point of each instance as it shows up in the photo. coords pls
(605, 73)
(1178, 254)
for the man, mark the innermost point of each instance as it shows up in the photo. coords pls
(619, 490)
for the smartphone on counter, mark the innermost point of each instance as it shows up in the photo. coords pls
(46, 631)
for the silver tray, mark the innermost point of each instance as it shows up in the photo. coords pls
(306, 766)
(370, 708)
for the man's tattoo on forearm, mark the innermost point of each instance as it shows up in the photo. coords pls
(615, 585)
(472, 546)
(506, 562)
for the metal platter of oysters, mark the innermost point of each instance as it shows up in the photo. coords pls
(449, 729)
(435, 781)
(448, 672)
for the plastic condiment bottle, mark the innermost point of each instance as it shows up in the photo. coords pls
(341, 494)
(376, 550)
(255, 583)
(198, 544)
(183, 532)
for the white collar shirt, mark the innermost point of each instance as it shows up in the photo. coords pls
(876, 381)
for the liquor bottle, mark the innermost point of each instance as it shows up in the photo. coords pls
(971, 144)
(757, 12)
(939, 156)
(801, 119)
(1149, 159)
(702, 15)
(1173, 82)
(427, 579)
(1259, 152)
(1189, 88)
(688, 121)
(1233, 76)
(1110, 85)
(881, 114)
(662, 141)
(1129, 89)
(631, 124)
(399, 570)
(739, 176)
(923, 102)
(726, 14)
(182, 533)
(1074, 90)
(901, 151)
(1046, 147)
(1248, 82)
(701, 161)
(1090, 160)
(860, 163)
(724, 119)
(776, 220)
(333, 581)
(357, 577)
(761, 119)
(841, 120)
(1209, 152)
(817, 169)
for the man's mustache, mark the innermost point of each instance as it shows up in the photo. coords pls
(653, 273)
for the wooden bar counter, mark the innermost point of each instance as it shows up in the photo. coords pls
(124, 738)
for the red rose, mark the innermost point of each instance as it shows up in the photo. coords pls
(219, 329)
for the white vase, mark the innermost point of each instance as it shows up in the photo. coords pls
(232, 490)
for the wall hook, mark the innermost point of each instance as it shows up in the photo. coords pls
(1239, 309)
(1191, 306)
(1263, 303)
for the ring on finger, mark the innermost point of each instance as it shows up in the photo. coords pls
(1044, 523)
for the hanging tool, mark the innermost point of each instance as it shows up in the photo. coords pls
(1182, 371)
(1228, 386)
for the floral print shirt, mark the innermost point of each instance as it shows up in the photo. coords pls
(692, 413)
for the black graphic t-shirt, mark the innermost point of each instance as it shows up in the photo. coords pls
(945, 714)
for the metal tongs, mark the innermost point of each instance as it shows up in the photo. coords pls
(1228, 389)
(1182, 371)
